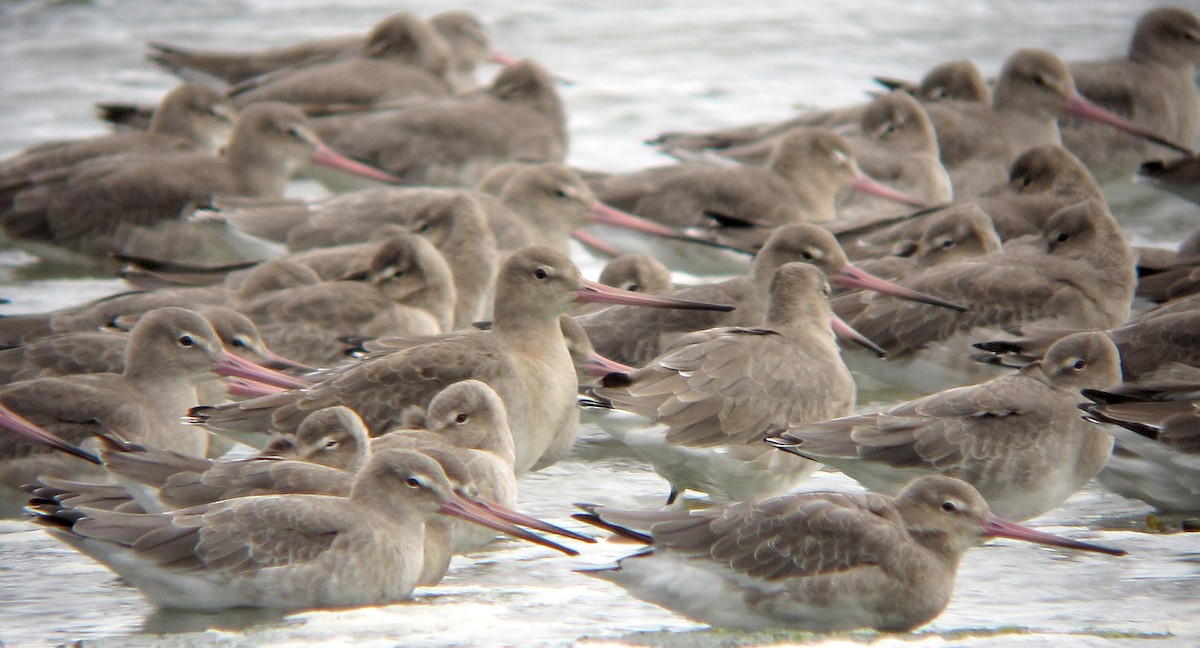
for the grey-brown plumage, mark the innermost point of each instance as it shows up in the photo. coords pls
(170, 351)
(1180, 176)
(898, 147)
(1156, 423)
(1152, 85)
(468, 423)
(403, 288)
(634, 336)
(812, 561)
(1149, 342)
(400, 36)
(279, 551)
(636, 272)
(453, 220)
(1041, 181)
(302, 304)
(724, 388)
(404, 58)
(467, 45)
(104, 351)
(321, 457)
(538, 204)
(87, 206)
(464, 430)
(453, 141)
(797, 183)
(1081, 277)
(523, 358)
(1018, 439)
(894, 143)
(957, 233)
(979, 142)
(188, 118)
(955, 80)
(1165, 275)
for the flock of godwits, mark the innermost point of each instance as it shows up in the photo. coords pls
(390, 431)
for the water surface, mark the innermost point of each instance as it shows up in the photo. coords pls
(640, 68)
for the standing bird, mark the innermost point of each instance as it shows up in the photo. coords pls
(1153, 85)
(1017, 439)
(634, 336)
(811, 561)
(711, 396)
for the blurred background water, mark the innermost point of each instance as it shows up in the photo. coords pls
(639, 68)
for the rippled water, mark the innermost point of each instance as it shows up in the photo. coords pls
(640, 68)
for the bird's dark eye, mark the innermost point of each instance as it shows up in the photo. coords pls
(633, 287)
(1037, 80)
(1079, 364)
(295, 132)
(239, 343)
(949, 507)
(948, 243)
(1062, 237)
(186, 341)
(559, 193)
(331, 444)
(413, 482)
(806, 255)
(541, 273)
(461, 418)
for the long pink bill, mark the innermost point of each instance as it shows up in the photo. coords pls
(591, 291)
(1080, 106)
(326, 156)
(479, 514)
(598, 365)
(1000, 528)
(847, 332)
(606, 215)
(273, 360)
(243, 388)
(853, 277)
(231, 365)
(589, 240)
(865, 183)
(517, 517)
(19, 425)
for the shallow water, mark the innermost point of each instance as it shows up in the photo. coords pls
(639, 69)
